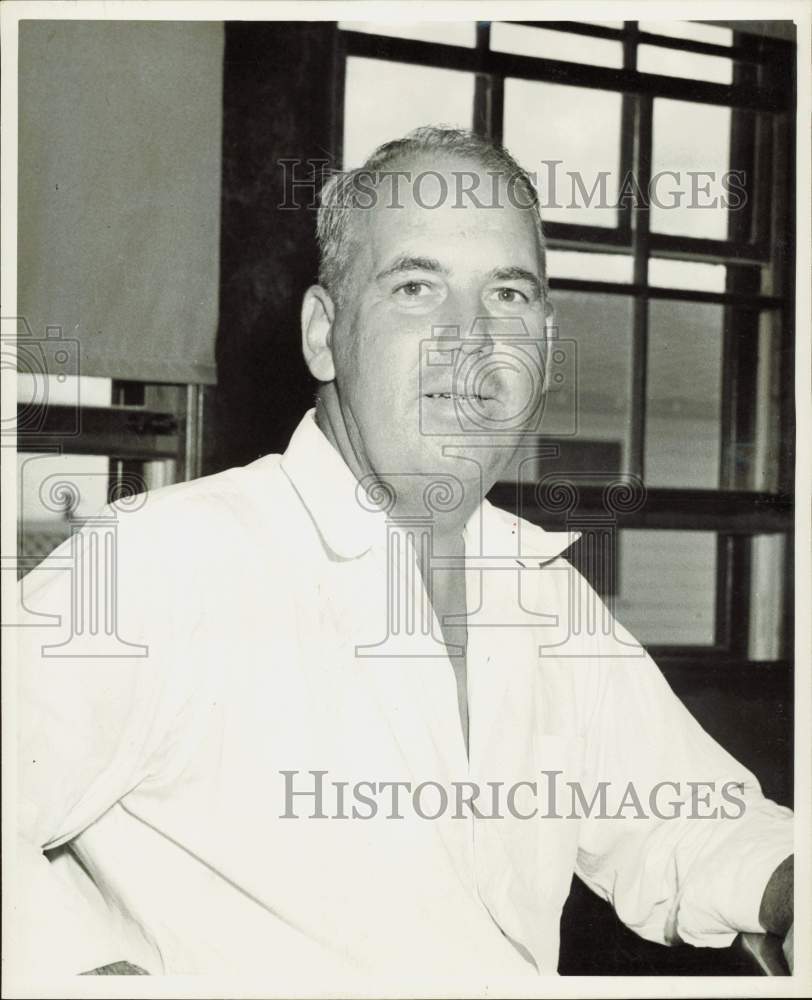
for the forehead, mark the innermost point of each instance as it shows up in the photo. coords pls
(439, 203)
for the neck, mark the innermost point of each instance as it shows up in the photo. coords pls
(330, 421)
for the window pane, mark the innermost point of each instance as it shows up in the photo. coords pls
(590, 266)
(692, 65)
(51, 491)
(384, 100)
(667, 586)
(686, 274)
(692, 30)
(767, 598)
(63, 390)
(690, 162)
(683, 428)
(580, 128)
(543, 43)
(589, 410)
(771, 382)
(448, 32)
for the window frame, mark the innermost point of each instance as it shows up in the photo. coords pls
(144, 423)
(760, 242)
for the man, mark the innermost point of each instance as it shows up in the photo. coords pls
(349, 728)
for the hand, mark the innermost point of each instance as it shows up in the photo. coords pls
(776, 912)
(789, 950)
(117, 969)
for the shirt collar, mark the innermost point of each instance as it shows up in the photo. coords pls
(330, 492)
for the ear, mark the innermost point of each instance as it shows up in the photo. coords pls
(318, 313)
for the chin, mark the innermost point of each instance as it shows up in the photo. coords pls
(457, 457)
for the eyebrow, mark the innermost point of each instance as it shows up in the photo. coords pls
(406, 263)
(516, 274)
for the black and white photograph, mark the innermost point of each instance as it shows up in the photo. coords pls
(406, 499)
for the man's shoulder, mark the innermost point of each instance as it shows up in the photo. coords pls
(218, 512)
(229, 490)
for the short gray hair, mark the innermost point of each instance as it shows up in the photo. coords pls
(345, 190)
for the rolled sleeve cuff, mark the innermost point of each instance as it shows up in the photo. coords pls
(726, 899)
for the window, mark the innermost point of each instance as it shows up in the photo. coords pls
(690, 164)
(667, 145)
(661, 570)
(82, 441)
(541, 42)
(684, 394)
(571, 136)
(391, 103)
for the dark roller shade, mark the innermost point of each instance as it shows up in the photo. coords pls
(119, 192)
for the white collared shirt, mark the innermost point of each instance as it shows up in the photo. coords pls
(266, 606)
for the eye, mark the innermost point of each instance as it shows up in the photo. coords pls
(510, 296)
(412, 289)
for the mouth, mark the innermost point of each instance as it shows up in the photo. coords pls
(458, 396)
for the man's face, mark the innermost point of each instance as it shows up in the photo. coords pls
(439, 335)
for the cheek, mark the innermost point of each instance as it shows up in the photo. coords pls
(381, 364)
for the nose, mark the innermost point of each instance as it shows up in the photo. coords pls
(470, 322)
(481, 334)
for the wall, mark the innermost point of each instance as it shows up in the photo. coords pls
(277, 96)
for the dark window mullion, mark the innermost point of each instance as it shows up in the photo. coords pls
(783, 257)
(696, 248)
(489, 91)
(497, 108)
(627, 126)
(739, 384)
(482, 84)
(635, 460)
(579, 28)
(708, 250)
(782, 73)
(579, 236)
(740, 569)
(742, 302)
(761, 190)
(740, 337)
(723, 607)
(736, 51)
(503, 64)
(787, 634)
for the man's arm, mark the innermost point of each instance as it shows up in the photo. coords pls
(777, 906)
(86, 727)
(775, 913)
(697, 872)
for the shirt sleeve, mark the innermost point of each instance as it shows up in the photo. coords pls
(96, 695)
(93, 652)
(687, 841)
